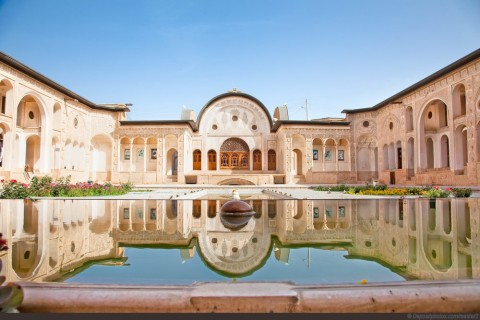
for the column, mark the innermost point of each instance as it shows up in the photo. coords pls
(130, 162)
(145, 156)
(324, 147)
(336, 157)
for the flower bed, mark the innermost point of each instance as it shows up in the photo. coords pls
(46, 187)
(383, 190)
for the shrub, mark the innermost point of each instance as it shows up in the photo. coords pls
(339, 187)
(435, 192)
(385, 192)
(14, 189)
(462, 192)
(415, 191)
(44, 187)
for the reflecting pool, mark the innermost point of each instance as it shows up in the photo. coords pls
(184, 241)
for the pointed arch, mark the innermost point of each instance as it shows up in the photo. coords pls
(212, 159)
(197, 159)
(461, 151)
(445, 152)
(6, 97)
(459, 101)
(257, 159)
(272, 160)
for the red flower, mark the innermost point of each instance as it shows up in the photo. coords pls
(449, 189)
(2, 181)
(25, 185)
(3, 243)
(13, 181)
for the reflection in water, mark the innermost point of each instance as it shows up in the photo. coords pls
(415, 238)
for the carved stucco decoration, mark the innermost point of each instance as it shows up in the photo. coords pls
(367, 141)
(391, 129)
(234, 145)
(361, 129)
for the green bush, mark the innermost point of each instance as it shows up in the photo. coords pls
(462, 192)
(337, 187)
(435, 192)
(14, 190)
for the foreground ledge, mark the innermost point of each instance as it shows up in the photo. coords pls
(405, 297)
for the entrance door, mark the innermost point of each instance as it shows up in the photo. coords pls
(399, 158)
(257, 160)
(212, 160)
(392, 177)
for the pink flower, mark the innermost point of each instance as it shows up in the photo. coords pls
(449, 189)
(25, 185)
(13, 181)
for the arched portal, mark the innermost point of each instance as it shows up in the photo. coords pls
(430, 153)
(101, 157)
(445, 152)
(409, 119)
(410, 157)
(6, 97)
(172, 162)
(461, 150)
(234, 154)
(297, 162)
(459, 101)
(32, 156)
(432, 125)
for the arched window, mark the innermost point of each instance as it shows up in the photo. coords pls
(272, 160)
(409, 119)
(234, 160)
(212, 160)
(234, 154)
(197, 160)
(224, 160)
(430, 153)
(257, 160)
(459, 101)
(244, 160)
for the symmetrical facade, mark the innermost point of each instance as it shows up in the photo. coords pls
(427, 134)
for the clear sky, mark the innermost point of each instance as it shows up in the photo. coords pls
(161, 55)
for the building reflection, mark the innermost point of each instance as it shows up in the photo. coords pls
(419, 238)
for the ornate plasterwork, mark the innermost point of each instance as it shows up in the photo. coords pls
(150, 132)
(235, 116)
(366, 141)
(324, 134)
(360, 129)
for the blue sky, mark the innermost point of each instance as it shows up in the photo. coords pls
(161, 55)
